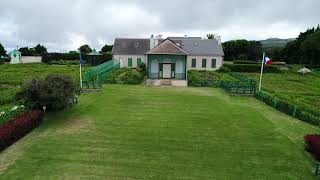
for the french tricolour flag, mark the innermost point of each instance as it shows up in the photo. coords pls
(267, 60)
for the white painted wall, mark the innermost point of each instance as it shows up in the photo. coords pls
(124, 59)
(219, 62)
(31, 59)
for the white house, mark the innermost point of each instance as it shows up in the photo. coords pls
(168, 60)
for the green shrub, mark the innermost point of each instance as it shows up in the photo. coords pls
(203, 78)
(55, 92)
(252, 68)
(142, 67)
(131, 77)
(223, 69)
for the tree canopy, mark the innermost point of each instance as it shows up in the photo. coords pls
(303, 49)
(106, 48)
(242, 50)
(25, 51)
(210, 36)
(2, 50)
(85, 49)
(40, 50)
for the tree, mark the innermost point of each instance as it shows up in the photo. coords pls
(106, 49)
(55, 92)
(310, 49)
(25, 51)
(40, 50)
(2, 50)
(85, 49)
(242, 50)
(210, 36)
(294, 53)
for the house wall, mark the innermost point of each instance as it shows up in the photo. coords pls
(219, 62)
(124, 60)
(31, 59)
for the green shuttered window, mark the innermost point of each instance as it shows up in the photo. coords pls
(138, 61)
(204, 63)
(213, 63)
(194, 63)
(130, 62)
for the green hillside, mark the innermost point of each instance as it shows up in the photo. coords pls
(275, 42)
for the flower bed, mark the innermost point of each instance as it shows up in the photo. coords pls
(313, 145)
(17, 128)
(9, 113)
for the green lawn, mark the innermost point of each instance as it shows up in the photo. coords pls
(16, 74)
(136, 132)
(13, 75)
(301, 90)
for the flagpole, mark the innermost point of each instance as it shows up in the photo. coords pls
(80, 71)
(262, 63)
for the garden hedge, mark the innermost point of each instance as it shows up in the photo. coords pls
(17, 128)
(246, 62)
(252, 68)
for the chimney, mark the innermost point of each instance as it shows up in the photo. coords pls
(152, 42)
(218, 38)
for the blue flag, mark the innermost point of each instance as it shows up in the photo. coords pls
(81, 60)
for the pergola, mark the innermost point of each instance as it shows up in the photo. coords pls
(93, 56)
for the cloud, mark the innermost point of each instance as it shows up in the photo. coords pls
(65, 25)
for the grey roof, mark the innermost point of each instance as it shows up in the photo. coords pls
(193, 46)
(181, 38)
(124, 46)
(201, 47)
(167, 47)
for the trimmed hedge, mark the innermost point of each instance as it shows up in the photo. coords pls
(246, 62)
(17, 128)
(56, 57)
(304, 114)
(312, 145)
(252, 68)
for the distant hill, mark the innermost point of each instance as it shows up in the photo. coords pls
(275, 42)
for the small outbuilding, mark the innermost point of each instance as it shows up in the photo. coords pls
(93, 57)
(15, 57)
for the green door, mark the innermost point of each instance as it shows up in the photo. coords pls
(130, 62)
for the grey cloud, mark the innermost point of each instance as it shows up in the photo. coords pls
(61, 24)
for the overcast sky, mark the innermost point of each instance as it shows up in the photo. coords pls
(66, 24)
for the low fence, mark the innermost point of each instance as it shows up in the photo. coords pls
(303, 114)
(98, 74)
(243, 85)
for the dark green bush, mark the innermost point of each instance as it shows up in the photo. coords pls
(223, 69)
(64, 62)
(55, 92)
(246, 62)
(252, 68)
(142, 67)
